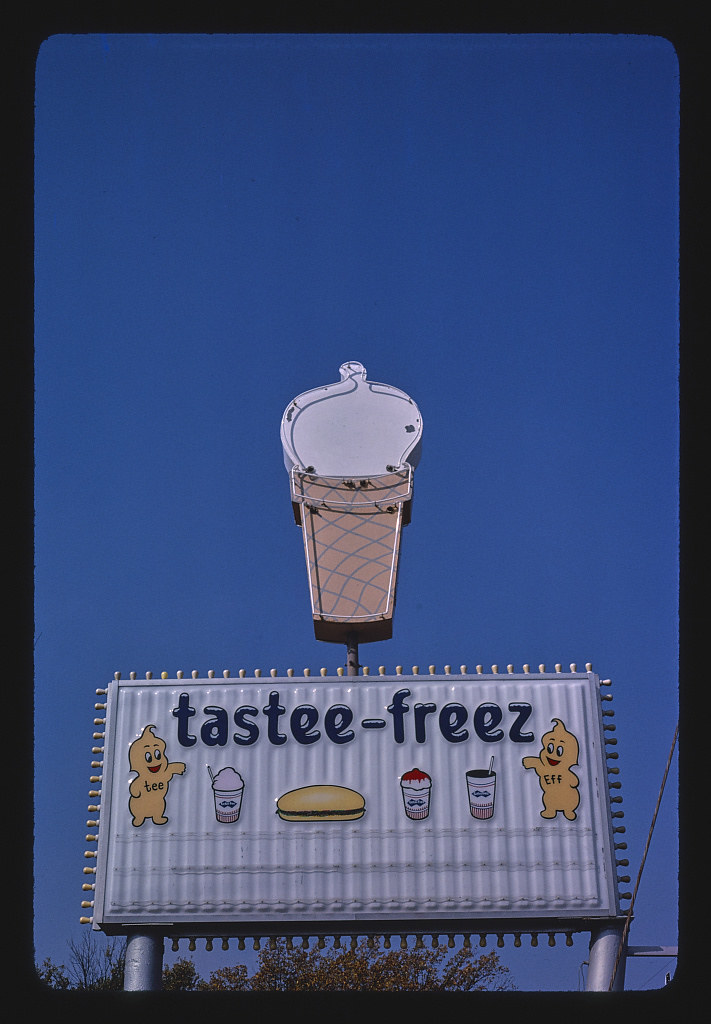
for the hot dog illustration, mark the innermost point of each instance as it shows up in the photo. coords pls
(321, 803)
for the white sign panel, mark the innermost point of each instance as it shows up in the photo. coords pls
(353, 427)
(273, 802)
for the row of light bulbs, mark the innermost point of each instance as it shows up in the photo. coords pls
(372, 940)
(365, 669)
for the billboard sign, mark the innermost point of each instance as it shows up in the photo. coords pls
(273, 803)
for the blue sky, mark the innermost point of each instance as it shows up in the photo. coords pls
(487, 222)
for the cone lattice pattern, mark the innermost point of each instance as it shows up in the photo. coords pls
(352, 540)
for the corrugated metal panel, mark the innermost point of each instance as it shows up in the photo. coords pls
(194, 869)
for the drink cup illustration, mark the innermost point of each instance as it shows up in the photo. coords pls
(416, 788)
(227, 788)
(481, 785)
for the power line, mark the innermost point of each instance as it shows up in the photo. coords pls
(628, 919)
(663, 968)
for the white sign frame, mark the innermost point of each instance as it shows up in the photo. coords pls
(262, 873)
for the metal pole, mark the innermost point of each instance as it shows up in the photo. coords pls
(604, 946)
(352, 654)
(144, 962)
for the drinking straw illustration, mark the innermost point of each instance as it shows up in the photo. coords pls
(491, 765)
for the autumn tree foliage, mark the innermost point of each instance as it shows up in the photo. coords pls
(91, 968)
(362, 967)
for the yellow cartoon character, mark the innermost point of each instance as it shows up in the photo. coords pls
(560, 786)
(147, 758)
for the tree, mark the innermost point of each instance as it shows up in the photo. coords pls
(228, 979)
(53, 975)
(91, 968)
(365, 967)
(361, 967)
(182, 976)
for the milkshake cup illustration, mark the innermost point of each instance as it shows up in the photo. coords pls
(481, 785)
(227, 787)
(416, 789)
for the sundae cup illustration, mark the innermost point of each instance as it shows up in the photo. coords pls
(481, 786)
(227, 787)
(350, 449)
(416, 788)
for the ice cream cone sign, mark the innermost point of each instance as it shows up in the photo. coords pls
(350, 449)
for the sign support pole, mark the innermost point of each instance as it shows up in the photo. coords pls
(144, 962)
(352, 654)
(604, 945)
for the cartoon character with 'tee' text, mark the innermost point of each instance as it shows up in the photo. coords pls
(147, 758)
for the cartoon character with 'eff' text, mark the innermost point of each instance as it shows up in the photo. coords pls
(560, 786)
(147, 758)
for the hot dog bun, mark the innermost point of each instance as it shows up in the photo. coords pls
(321, 803)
